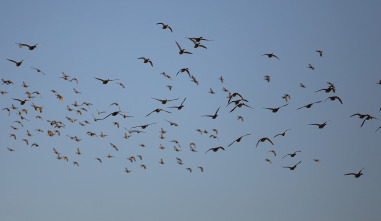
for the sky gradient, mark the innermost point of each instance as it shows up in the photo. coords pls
(89, 39)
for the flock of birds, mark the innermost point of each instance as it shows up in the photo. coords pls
(234, 100)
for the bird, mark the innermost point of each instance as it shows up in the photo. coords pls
(357, 175)
(105, 81)
(240, 118)
(268, 160)
(22, 102)
(276, 109)
(200, 39)
(157, 110)
(181, 50)
(111, 114)
(211, 91)
(291, 154)
(293, 167)
(31, 47)
(180, 106)
(334, 98)
(309, 105)
(172, 123)
(215, 149)
(38, 70)
(197, 43)
(10, 149)
(238, 139)
(267, 78)
(18, 63)
(161, 161)
(239, 106)
(143, 126)
(75, 163)
(222, 79)
(78, 152)
(320, 126)
(143, 166)
(99, 159)
(286, 97)
(165, 101)
(273, 151)
(263, 139)
(126, 170)
(311, 67)
(213, 116)
(146, 60)
(271, 55)
(320, 52)
(182, 70)
(189, 169)
(201, 168)
(282, 134)
(302, 85)
(164, 26)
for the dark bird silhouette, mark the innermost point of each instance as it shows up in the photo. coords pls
(213, 116)
(181, 105)
(302, 85)
(286, 97)
(197, 43)
(334, 98)
(276, 109)
(321, 126)
(309, 105)
(22, 102)
(267, 78)
(271, 55)
(146, 60)
(31, 47)
(221, 79)
(238, 139)
(291, 154)
(105, 81)
(172, 123)
(200, 39)
(182, 70)
(368, 117)
(18, 63)
(357, 175)
(157, 111)
(164, 26)
(215, 149)
(38, 70)
(165, 101)
(111, 114)
(181, 50)
(311, 67)
(240, 105)
(143, 126)
(282, 134)
(263, 140)
(293, 167)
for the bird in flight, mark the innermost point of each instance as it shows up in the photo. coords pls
(165, 101)
(291, 154)
(320, 52)
(293, 167)
(240, 105)
(282, 134)
(105, 81)
(18, 63)
(263, 140)
(157, 111)
(22, 102)
(200, 39)
(309, 105)
(111, 114)
(164, 26)
(276, 109)
(267, 78)
(197, 43)
(181, 50)
(311, 67)
(213, 116)
(146, 60)
(31, 47)
(181, 105)
(215, 149)
(238, 139)
(143, 126)
(286, 97)
(334, 98)
(271, 55)
(357, 175)
(321, 126)
(38, 70)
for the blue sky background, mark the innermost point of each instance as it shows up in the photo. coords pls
(102, 39)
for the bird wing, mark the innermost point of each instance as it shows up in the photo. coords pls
(178, 46)
(270, 141)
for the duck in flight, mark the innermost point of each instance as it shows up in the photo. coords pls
(105, 81)
(357, 175)
(213, 116)
(164, 26)
(181, 50)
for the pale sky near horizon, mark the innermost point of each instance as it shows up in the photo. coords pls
(88, 39)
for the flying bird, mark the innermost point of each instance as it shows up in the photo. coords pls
(309, 105)
(291, 154)
(271, 55)
(215, 149)
(311, 67)
(293, 167)
(321, 126)
(157, 111)
(165, 101)
(181, 50)
(105, 81)
(357, 175)
(276, 109)
(238, 139)
(334, 98)
(320, 52)
(31, 47)
(164, 26)
(213, 116)
(282, 134)
(181, 105)
(146, 60)
(18, 63)
(263, 140)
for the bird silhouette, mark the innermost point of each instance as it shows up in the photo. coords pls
(146, 60)
(263, 139)
(275, 109)
(282, 134)
(157, 110)
(105, 81)
(197, 43)
(271, 55)
(238, 139)
(293, 167)
(309, 105)
(311, 67)
(31, 47)
(320, 52)
(213, 116)
(334, 98)
(320, 126)
(180, 106)
(38, 70)
(215, 149)
(164, 26)
(357, 175)
(165, 101)
(18, 63)
(181, 50)
(291, 154)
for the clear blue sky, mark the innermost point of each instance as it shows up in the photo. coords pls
(87, 39)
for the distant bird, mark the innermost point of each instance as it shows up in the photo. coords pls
(31, 47)
(240, 105)
(18, 63)
(10, 149)
(268, 160)
(146, 60)
(267, 78)
(311, 67)
(334, 98)
(157, 111)
(181, 50)
(105, 81)
(302, 85)
(127, 171)
(143, 166)
(172, 123)
(238, 139)
(200, 39)
(38, 70)
(320, 52)
(197, 44)
(321, 126)
(22, 102)
(275, 109)
(164, 26)
(222, 79)
(161, 161)
(309, 105)
(282, 134)
(143, 126)
(201, 168)
(211, 91)
(357, 175)
(263, 140)
(273, 151)
(240, 118)
(189, 169)
(317, 160)
(181, 105)
(213, 116)
(111, 114)
(293, 167)
(286, 97)
(271, 55)
(215, 149)
(182, 70)
(291, 154)
(99, 159)
(165, 101)
(121, 84)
